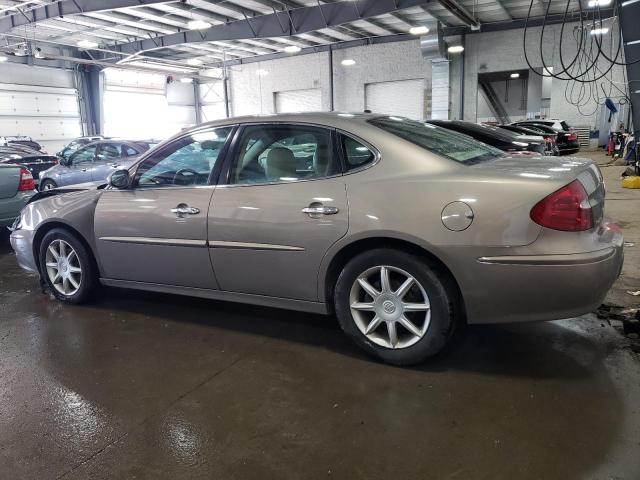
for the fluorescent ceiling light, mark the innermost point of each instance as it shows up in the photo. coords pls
(455, 49)
(194, 62)
(262, 72)
(598, 3)
(421, 30)
(515, 75)
(629, 2)
(599, 31)
(87, 44)
(186, 80)
(347, 62)
(292, 49)
(3, 58)
(198, 25)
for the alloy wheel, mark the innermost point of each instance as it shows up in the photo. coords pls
(390, 307)
(63, 267)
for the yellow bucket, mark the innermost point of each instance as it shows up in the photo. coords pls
(631, 182)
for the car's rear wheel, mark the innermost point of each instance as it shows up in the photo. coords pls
(395, 306)
(66, 266)
(47, 185)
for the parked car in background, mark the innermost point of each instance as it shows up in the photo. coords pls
(77, 143)
(16, 188)
(566, 139)
(35, 161)
(93, 161)
(548, 137)
(23, 140)
(402, 228)
(512, 143)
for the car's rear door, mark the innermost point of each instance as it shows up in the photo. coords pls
(278, 210)
(156, 230)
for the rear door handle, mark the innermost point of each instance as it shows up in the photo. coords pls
(315, 210)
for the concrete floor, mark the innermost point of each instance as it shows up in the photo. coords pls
(143, 385)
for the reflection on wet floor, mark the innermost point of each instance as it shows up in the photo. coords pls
(143, 385)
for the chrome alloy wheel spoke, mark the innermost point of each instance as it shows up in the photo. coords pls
(390, 307)
(63, 267)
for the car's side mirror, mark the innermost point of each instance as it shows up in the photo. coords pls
(119, 179)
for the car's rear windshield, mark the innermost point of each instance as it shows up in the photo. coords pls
(565, 125)
(449, 144)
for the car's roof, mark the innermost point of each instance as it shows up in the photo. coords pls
(336, 119)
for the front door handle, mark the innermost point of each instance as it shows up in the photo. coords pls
(316, 209)
(183, 209)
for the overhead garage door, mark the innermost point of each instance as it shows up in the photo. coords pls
(49, 115)
(404, 98)
(299, 101)
(136, 106)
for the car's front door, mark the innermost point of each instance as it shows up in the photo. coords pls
(156, 230)
(283, 205)
(107, 160)
(79, 167)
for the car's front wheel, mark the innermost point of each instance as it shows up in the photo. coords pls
(47, 185)
(394, 306)
(66, 266)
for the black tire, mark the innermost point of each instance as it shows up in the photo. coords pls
(88, 279)
(433, 282)
(47, 184)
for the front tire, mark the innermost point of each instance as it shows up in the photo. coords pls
(66, 267)
(395, 306)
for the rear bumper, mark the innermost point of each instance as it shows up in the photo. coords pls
(22, 243)
(541, 287)
(10, 207)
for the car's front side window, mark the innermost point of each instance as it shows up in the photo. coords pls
(187, 161)
(283, 153)
(109, 151)
(83, 155)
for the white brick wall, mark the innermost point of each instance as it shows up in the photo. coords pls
(252, 94)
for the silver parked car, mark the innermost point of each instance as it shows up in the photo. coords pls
(16, 188)
(401, 228)
(93, 162)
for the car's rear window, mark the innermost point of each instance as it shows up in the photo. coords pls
(449, 144)
(565, 125)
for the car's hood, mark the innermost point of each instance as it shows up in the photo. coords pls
(80, 187)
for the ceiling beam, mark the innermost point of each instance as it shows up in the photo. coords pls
(460, 12)
(520, 23)
(278, 24)
(67, 7)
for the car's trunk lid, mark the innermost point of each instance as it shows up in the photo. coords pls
(9, 180)
(554, 171)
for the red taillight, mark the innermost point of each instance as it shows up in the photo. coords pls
(572, 137)
(567, 209)
(26, 181)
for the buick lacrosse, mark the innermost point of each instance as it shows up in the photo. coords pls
(402, 229)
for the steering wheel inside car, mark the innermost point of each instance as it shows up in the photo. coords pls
(189, 179)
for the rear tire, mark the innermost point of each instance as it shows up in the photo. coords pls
(47, 185)
(395, 306)
(66, 266)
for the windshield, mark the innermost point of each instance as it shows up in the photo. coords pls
(449, 144)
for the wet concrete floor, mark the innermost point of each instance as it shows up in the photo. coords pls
(141, 385)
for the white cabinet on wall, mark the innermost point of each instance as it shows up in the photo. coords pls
(404, 98)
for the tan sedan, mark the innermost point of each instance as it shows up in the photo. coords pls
(401, 228)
